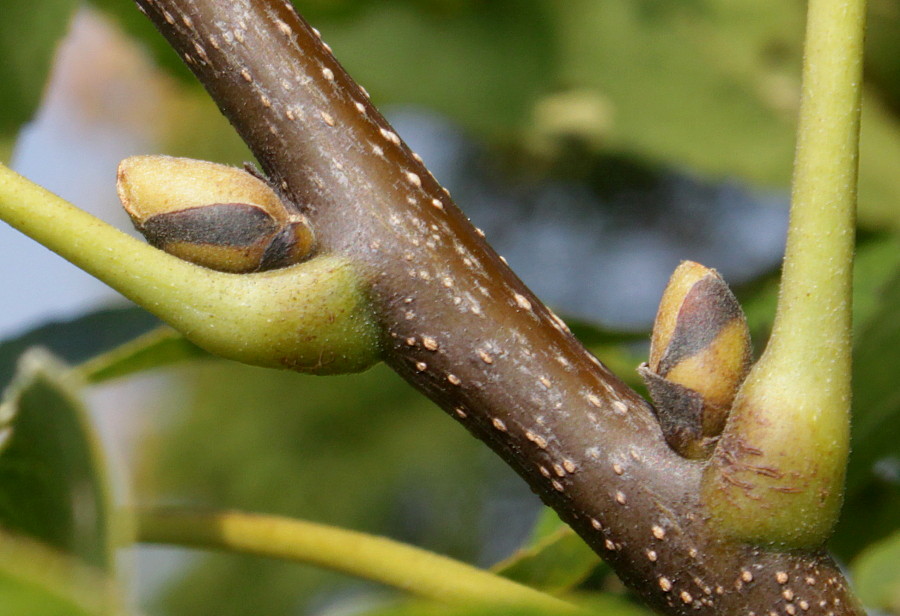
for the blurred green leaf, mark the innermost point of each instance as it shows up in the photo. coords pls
(872, 507)
(29, 35)
(712, 85)
(883, 49)
(591, 334)
(6, 148)
(23, 599)
(161, 347)
(870, 513)
(546, 527)
(361, 451)
(758, 300)
(876, 573)
(693, 83)
(79, 339)
(201, 132)
(52, 474)
(621, 351)
(879, 155)
(555, 559)
(38, 581)
(877, 391)
(876, 263)
(482, 63)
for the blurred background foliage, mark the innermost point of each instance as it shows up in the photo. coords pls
(597, 144)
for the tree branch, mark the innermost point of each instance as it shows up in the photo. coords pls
(462, 328)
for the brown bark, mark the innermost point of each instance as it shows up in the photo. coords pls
(463, 329)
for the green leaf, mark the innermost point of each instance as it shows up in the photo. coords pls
(876, 263)
(161, 347)
(621, 351)
(877, 393)
(38, 581)
(554, 560)
(404, 53)
(712, 86)
(879, 154)
(883, 50)
(274, 441)
(53, 483)
(872, 508)
(877, 575)
(6, 148)
(79, 339)
(675, 96)
(592, 334)
(29, 34)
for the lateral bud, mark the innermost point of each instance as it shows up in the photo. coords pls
(700, 353)
(212, 215)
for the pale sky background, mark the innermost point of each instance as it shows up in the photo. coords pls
(89, 121)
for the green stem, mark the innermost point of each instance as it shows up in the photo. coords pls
(783, 455)
(379, 559)
(311, 317)
(812, 324)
